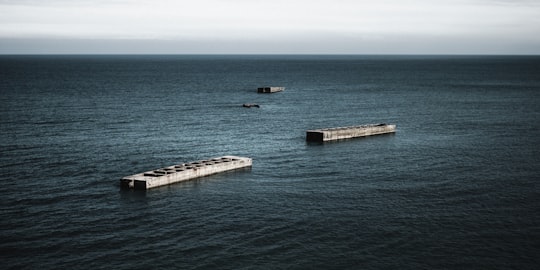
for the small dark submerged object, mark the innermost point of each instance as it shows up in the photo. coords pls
(250, 105)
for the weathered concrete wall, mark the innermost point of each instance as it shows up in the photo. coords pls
(331, 134)
(271, 89)
(183, 172)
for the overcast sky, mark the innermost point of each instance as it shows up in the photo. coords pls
(270, 26)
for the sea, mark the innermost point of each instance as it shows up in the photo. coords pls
(455, 187)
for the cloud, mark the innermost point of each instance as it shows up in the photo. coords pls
(285, 21)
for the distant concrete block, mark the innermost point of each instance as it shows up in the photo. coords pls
(270, 89)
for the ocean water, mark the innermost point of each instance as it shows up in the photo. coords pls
(456, 187)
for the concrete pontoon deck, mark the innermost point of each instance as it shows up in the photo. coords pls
(332, 134)
(271, 89)
(183, 172)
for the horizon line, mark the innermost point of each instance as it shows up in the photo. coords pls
(269, 54)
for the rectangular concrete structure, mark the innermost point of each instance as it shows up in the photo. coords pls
(183, 172)
(332, 134)
(271, 89)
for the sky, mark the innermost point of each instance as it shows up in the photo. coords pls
(270, 27)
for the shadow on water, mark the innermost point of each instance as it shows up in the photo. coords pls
(371, 138)
(127, 195)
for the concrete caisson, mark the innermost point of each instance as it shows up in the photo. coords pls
(270, 89)
(332, 134)
(183, 172)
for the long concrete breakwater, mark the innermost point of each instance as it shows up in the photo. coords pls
(183, 172)
(332, 134)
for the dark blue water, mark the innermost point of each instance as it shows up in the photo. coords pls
(457, 186)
